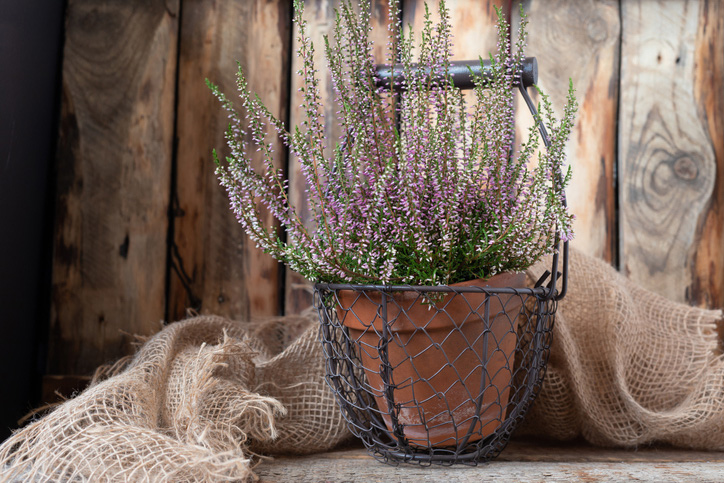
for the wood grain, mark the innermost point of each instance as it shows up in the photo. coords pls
(320, 17)
(707, 288)
(215, 268)
(580, 40)
(114, 164)
(115, 150)
(472, 21)
(668, 165)
(521, 461)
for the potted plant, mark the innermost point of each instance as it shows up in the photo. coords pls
(424, 190)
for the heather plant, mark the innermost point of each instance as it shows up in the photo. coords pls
(423, 188)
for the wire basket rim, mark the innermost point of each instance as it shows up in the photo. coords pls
(540, 291)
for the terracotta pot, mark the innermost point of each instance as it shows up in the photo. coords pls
(438, 371)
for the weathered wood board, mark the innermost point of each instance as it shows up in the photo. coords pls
(668, 163)
(319, 15)
(215, 268)
(114, 165)
(472, 24)
(580, 41)
(707, 288)
(520, 462)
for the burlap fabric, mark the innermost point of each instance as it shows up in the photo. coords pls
(194, 404)
(204, 395)
(629, 367)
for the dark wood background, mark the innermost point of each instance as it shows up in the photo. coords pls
(143, 231)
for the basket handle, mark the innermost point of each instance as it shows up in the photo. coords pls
(558, 177)
(464, 73)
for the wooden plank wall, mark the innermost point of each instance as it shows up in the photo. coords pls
(213, 267)
(580, 40)
(143, 231)
(671, 223)
(114, 167)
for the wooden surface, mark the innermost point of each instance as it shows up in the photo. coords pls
(668, 165)
(472, 24)
(580, 40)
(707, 287)
(215, 268)
(519, 462)
(114, 164)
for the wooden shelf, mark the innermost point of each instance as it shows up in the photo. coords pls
(522, 461)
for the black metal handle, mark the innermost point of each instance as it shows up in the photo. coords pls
(463, 73)
(558, 178)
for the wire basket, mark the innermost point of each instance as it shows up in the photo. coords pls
(440, 374)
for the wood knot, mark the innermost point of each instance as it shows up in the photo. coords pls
(686, 168)
(596, 29)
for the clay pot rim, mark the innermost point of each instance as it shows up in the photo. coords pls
(492, 285)
(502, 280)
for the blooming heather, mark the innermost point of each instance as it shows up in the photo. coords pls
(423, 188)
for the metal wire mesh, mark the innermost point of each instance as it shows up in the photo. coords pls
(435, 374)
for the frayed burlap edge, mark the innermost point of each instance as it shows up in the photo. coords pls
(194, 404)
